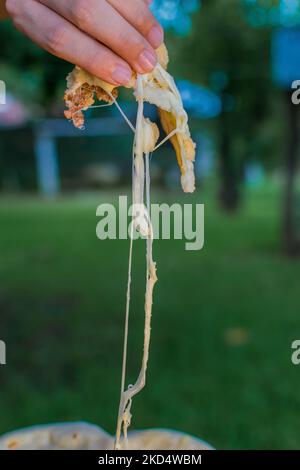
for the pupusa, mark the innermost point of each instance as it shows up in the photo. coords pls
(157, 88)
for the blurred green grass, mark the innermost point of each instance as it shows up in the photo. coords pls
(223, 322)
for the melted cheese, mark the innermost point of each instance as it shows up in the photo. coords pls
(158, 88)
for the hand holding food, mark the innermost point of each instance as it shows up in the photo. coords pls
(108, 38)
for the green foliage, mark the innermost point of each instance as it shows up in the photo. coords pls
(223, 322)
(223, 44)
(32, 74)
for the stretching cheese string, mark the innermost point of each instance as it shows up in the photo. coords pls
(141, 181)
(141, 173)
(145, 139)
(169, 136)
(121, 111)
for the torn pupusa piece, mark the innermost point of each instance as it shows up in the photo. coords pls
(159, 89)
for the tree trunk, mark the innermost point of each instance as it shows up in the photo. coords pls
(229, 195)
(291, 239)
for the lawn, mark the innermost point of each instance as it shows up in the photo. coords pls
(223, 322)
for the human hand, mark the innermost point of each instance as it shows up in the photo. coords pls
(108, 38)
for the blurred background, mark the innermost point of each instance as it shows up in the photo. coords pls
(225, 317)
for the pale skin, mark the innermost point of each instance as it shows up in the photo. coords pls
(108, 38)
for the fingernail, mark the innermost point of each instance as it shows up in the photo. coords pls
(147, 60)
(121, 75)
(156, 36)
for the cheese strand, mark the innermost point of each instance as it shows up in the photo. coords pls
(141, 177)
(122, 112)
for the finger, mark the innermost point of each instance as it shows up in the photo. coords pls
(137, 13)
(101, 21)
(64, 40)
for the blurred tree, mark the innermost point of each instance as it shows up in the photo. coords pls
(284, 14)
(175, 14)
(228, 55)
(261, 13)
(291, 208)
(43, 75)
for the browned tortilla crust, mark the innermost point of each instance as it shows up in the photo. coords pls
(83, 98)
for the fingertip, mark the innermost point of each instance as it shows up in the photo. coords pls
(121, 75)
(146, 61)
(156, 36)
